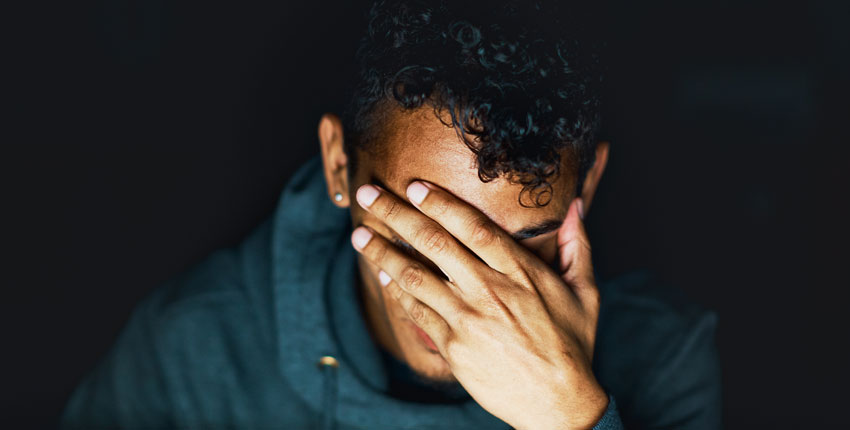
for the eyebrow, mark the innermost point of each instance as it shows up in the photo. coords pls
(537, 229)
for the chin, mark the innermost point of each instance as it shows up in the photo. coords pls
(422, 359)
(437, 376)
(436, 370)
(428, 365)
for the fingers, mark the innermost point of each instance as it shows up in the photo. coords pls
(574, 255)
(423, 233)
(474, 229)
(411, 276)
(423, 316)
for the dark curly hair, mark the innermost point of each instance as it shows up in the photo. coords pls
(518, 90)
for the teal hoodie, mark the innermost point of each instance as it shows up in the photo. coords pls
(236, 341)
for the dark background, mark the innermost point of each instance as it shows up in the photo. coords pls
(145, 134)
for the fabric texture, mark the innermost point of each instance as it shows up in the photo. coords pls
(236, 341)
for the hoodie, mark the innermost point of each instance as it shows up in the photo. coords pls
(269, 335)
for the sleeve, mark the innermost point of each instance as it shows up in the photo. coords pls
(127, 389)
(611, 419)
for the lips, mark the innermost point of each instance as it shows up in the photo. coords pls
(425, 339)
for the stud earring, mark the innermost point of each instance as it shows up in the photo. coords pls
(338, 197)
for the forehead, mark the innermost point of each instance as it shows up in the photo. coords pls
(416, 144)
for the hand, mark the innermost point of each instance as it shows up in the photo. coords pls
(518, 336)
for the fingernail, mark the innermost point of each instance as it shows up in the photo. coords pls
(361, 237)
(366, 195)
(384, 278)
(416, 192)
(580, 205)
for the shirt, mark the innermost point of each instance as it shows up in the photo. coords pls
(236, 342)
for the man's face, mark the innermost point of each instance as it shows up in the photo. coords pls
(417, 145)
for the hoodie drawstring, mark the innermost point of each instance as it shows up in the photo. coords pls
(329, 366)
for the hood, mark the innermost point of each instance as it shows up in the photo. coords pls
(317, 315)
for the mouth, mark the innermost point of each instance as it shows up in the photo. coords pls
(427, 342)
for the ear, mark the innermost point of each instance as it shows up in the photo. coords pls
(334, 159)
(594, 174)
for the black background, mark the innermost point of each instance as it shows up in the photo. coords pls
(142, 135)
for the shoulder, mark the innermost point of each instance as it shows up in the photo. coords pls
(225, 279)
(215, 303)
(639, 304)
(656, 351)
(189, 342)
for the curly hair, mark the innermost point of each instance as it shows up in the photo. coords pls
(517, 89)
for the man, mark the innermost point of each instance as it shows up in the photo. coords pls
(431, 270)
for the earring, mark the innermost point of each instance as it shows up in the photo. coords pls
(338, 197)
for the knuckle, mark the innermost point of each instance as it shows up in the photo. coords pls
(432, 239)
(440, 207)
(411, 277)
(379, 252)
(417, 311)
(395, 291)
(462, 319)
(491, 303)
(481, 231)
(390, 209)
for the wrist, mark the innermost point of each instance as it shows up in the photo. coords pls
(589, 410)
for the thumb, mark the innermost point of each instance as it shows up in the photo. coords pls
(575, 265)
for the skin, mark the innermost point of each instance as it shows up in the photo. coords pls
(516, 325)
